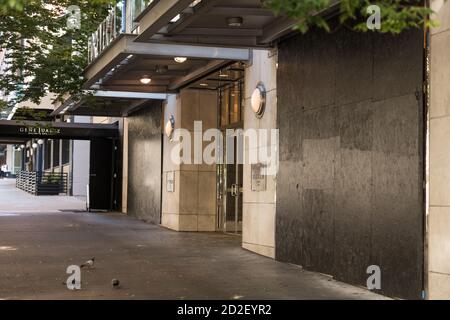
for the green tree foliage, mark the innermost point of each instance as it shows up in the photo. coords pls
(46, 55)
(7, 5)
(396, 15)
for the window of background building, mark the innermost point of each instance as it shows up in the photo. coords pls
(65, 152)
(56, 153)
(137, 6)
(48, 155)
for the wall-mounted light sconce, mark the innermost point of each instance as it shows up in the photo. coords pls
(258, 100)
(170, 128)
(22, 146)
(40, 142)
(35, 145)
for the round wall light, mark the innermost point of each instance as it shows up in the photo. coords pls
(40, 142)
(180, 59)
(170, 127)
(35, 145)
(22, 146)
(146, 80)
(258, 100)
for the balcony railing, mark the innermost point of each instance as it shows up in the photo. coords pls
(109, 29)
(42, 183)
(118, 22)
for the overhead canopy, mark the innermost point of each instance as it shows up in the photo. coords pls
(212, 22)
(122, 65)
(231, 23)
(211, 34)
(108, 103)
(6, 141)
(10, 129)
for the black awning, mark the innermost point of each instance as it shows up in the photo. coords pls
(56, 130)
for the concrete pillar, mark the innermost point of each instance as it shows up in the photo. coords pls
(80, 163)
(191, 205)
(125, 168)
(260, 206)
(439, 158)
(10, 155)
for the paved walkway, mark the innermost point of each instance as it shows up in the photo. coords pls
(13, 199)
(151, 262)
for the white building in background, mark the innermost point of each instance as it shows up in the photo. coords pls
(13, 160)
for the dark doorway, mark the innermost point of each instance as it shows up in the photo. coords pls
(102, 175)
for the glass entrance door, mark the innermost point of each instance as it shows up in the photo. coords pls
(230, 202)
(230, 171)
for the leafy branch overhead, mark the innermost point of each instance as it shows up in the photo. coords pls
(396, 15)
(44, 54)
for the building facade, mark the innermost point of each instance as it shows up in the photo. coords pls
(357, 139)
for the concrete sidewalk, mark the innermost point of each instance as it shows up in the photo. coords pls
(151, 262)
(13, 199)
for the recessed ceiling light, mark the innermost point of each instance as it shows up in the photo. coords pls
(180, 59)
(176, 18)
(146, 80)
(223, 75)
(235, 21)
(203, 84)
(161, 69)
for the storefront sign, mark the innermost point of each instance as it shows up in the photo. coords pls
(59, 130)
(40, 131)
(259, 177)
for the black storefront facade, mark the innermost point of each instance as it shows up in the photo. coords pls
(351, 120)
(105, 153)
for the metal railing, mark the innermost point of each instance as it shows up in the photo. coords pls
(109, 29)
(118, 22)
(42, 183)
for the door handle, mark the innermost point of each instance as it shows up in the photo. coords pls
(235, 190)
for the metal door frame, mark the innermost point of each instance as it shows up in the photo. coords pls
(237, 189)
(224, 190)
